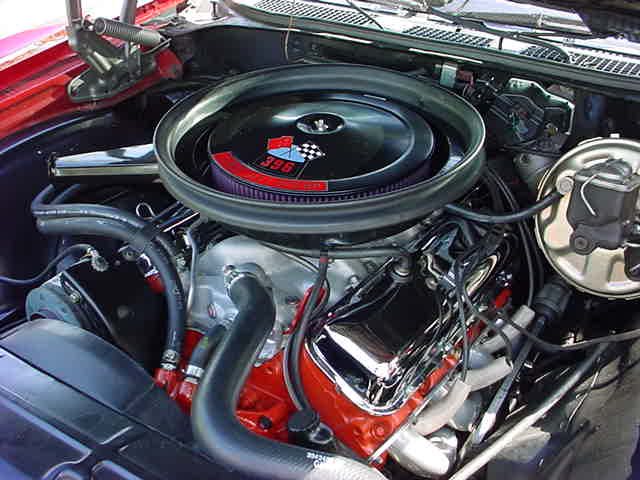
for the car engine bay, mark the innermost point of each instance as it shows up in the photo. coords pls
(339, 270)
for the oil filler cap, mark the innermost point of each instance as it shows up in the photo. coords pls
(306, 431)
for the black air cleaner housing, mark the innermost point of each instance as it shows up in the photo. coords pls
(319, 148)
(311, 155)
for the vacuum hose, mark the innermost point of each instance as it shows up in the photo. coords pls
(215, 426)
(529, 212)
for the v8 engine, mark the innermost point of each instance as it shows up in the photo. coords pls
(327, 273)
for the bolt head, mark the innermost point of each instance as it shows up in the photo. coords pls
(292, 301)
(123, 311)
(580, 243)
(75, 297)
(265, 422)
(380, 430)
(524, 159)
(432, 283)
(128, 255)
(564, 185)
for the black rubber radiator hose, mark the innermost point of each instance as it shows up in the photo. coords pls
(159, 257)
(215, 426)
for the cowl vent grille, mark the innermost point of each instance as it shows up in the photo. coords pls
(608, 64)
(448, 36)
(301, 9)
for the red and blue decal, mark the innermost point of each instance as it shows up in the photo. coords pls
(284, 149)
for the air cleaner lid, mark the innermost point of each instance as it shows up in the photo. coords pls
(320, 144)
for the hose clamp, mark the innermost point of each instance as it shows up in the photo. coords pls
(170, 357)
(98, 262)
(194, 371)
(233, 273)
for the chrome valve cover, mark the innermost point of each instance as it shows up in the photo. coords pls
(380, 348)
(379, 355)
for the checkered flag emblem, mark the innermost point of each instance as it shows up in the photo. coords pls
(309, 151)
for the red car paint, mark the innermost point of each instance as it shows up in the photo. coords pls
(28, 38)
(33, 90)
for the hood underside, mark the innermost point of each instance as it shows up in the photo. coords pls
(605, 17)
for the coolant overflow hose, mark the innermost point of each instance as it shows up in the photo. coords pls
(215, 426)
